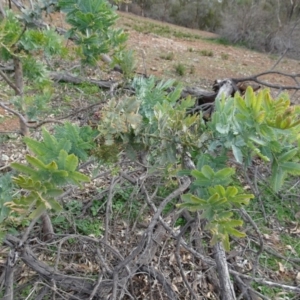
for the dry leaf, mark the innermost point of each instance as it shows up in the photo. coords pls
(281, 267)
(298, 278)
(289, 247)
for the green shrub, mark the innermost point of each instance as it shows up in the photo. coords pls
(180, 69)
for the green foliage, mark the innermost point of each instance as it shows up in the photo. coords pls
(47, 40)
(258, 126)
(220, 200)
(69, 137)
(35, 105)
(180, 69)
(125, 204)
(6, 187)
(81, 139)
(70, 220)
(125, 59)
(153, 119)
(34, 69)
(89, 226)
(92, 22)
(41, 177)
(10, 32)
(6, 191)
(208, 53)
(15, 40)
(168, 56)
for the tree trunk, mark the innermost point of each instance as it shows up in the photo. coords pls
(227, 291)
(9, 275)
(47, 228)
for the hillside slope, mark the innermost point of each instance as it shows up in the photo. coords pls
(160, 47)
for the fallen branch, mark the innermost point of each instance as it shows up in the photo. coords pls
(263, 281)
(254, 78)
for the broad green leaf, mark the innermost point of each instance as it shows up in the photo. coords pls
(267, 131)
(238, 155)
(225, 173)
(242, 198)
(217, 189)
(198, 174)
(287, 155)
(225, 215)
(55, 205)
(36, 162)
(207, 171)
(241, 105)
(234, 232)
(190, 206)
(23, 169)
(71, 162)
(214, 199)
(257, 140)
(203, 182)
(233, 223)
(231, 191)
(79, 177)
(249, 96)
(277, 177)
(38, 211)
(53, 192)
(193, 199)
(184, 173)
(226, 243)
(257, 103)
(291, 167)
(222, 128)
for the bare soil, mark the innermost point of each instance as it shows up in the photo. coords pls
(225, 62)
(203, 60)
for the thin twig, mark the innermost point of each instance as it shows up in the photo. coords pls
(182, 232)
(9, 82)
(263, 281)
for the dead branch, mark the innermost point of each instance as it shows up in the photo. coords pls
(24, 125)
(182, 232)
(162, 280)
(254, 78)
(263, 281)
(9, 82)
(9, 274)
(67, 77)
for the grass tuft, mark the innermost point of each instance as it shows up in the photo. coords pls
(180, 69)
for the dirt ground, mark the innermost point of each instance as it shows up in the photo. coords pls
(204, 61)
(226, 61)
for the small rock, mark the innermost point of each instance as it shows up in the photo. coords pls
(4, 157)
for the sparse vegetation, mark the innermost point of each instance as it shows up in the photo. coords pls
(224, 56)
(180, 69)
(168, 56)
(192, 69)
(123, 173)
(205, 52)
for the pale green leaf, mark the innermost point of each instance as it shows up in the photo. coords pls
(287, 155)
(38, 211)
(207, 171)
(225, 173)
(23, 169)
(291, 167)
(71, 162)
(238, 155)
